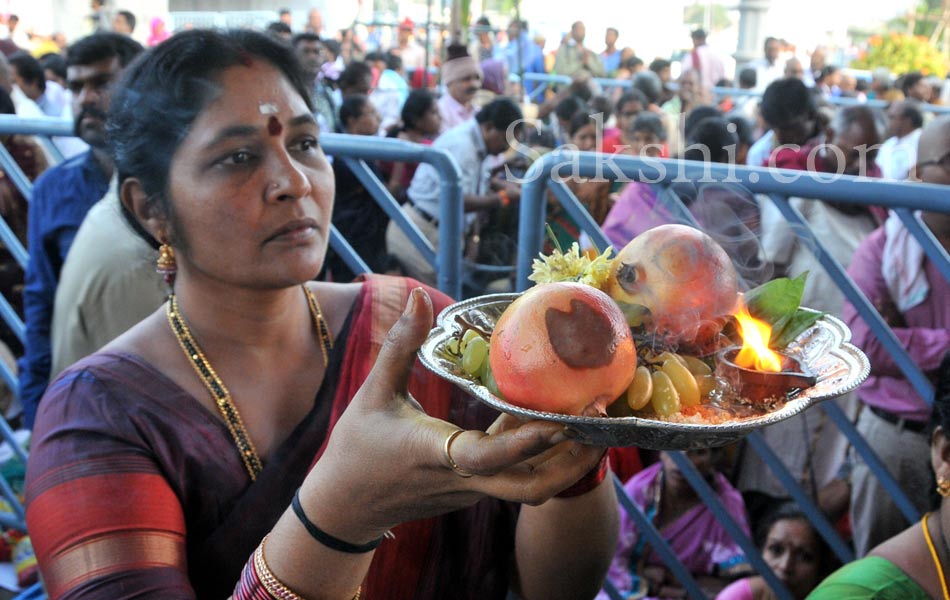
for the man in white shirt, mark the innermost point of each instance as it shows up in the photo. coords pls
(470, 143)
(769, 67)
(704, 60)
(28, 75)
(898, 154)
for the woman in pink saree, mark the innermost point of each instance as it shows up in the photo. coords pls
(688, 526)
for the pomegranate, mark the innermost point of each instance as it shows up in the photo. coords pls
(563, 348)
(682, 276)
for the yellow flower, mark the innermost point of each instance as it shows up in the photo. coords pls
(572, 266)
(597, 272)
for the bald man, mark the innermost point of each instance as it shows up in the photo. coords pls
(794, 68)
(892, 270)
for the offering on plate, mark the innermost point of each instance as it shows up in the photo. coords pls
(655, 347)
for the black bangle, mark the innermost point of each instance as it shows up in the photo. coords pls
(334, 543)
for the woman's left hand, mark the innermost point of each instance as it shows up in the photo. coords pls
(385, 462)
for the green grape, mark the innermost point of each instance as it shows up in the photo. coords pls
(470, 334)
(475, 353)
(640, 390)
(666, 400)
(488, 380)
(683, 381)
(486, 366)
(665, 356)
(706, 383)
(696, 366)
(452, 346)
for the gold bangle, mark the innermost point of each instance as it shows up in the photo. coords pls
(273, 585)
(275, 588)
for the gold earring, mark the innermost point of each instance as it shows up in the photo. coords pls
(943, 487)
(165, 265)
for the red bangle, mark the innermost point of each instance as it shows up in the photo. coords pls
(503, 196)
(589, 481)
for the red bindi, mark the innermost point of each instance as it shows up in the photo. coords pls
(273, 126)
(245, 58)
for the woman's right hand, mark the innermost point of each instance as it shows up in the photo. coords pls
(385, 461)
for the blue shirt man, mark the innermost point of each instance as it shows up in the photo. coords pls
(61, 198)
(522, 55)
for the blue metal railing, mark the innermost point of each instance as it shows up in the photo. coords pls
(777, 184)
(718, 92)
(356, 149)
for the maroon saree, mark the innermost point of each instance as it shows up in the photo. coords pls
(134, 489)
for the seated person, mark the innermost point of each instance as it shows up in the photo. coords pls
(798, 556)
(688, 526)
(594, 195)
(913, 564)
(635, 209)
(630, 104)
(355, 212)
(471, 144)
(421, 122)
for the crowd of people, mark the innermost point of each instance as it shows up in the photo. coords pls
(285, 464)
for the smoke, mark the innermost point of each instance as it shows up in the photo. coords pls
(729, 213)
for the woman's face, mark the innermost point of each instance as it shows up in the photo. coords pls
(431, 121)
(627, 113)
(792, 551)
(251, 192)
(585, 138)
(644, 143)
(367, 123)
(702, 459)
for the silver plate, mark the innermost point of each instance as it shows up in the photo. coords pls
(824, 350)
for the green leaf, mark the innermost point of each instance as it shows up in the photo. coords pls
(776, 299)
(798, 322)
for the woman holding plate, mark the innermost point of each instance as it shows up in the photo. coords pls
(262, 435)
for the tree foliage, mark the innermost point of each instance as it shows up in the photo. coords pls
(901, 54)
(928, 14)
(694, 16)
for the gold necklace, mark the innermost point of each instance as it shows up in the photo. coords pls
(936, 559)
(219, 392)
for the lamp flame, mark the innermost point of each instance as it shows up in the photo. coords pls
(755, 353)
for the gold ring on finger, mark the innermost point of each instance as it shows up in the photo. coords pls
(447, 451)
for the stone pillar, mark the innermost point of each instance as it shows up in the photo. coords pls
(752, 15)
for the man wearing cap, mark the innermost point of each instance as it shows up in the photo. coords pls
(705, 61)
(412, 54)
(462, 78)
